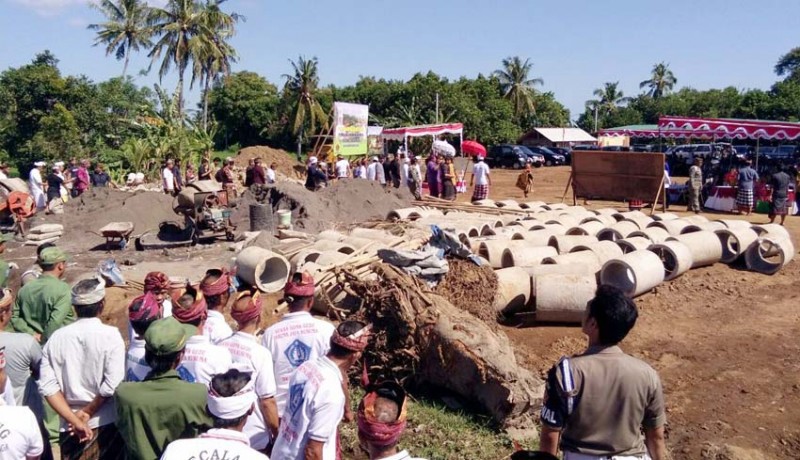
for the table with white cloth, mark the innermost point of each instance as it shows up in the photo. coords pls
(721, 198)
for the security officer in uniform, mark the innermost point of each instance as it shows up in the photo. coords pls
(597, 403)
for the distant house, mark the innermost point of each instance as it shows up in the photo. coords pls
(555, 137)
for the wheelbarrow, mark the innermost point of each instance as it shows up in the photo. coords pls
(117, 233)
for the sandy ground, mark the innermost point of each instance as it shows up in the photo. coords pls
(724, 340)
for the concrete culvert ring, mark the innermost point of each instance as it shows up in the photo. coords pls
(622, 276)
(675, 257)
(634, 273)
(263, 269)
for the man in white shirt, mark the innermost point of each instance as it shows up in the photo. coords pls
(168, 178)
(298, 337)
(480, 177)
(20, 437)
(262, 424)
(22, 354)
(201, 359)
(372, 169)
(142, 312)
(316, 402)
(381, 422)
(342, 167)
(231, 400)
(271, 179)
(36, 186)
(216, 287)
(404, 163)
(82, 365)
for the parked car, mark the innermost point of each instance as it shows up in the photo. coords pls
(565, 151)
(585, 147)
(550, 158)
(512, 156)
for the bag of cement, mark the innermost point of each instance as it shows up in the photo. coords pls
(43, 236)
(47, 228)
(41, 242)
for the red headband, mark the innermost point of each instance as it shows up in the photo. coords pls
(220, 286)
(303, 288)
(156, 281)
(198, 309)
(144, 308)
(356, 341)
(380, 434)
(252, 310)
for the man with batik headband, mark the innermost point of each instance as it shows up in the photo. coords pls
(298, 337)
(82, 365)
(262, 424)
(217, 287)
(142, 312)
(159, 284)
(316, 398)
(231, 401)
(381, 422)
(201, 359)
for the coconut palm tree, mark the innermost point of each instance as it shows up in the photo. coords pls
(661, 81)
(517, 85)
(302, 87)
(609, 98)
(125, 30)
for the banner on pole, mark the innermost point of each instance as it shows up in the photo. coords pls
(350, 128)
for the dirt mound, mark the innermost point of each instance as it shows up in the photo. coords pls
(285, 162)
(344, 203)
(471, 288)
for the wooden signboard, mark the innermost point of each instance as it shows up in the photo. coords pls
(617, 176)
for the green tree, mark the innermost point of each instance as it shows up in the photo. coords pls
(125, 30)
(789, 65)
(661, 81)
(243, 104)
(58, 138)
(301, 89)
(517, 84)
(609, 98)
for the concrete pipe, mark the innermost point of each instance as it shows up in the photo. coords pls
(696, 219)
(769, 254)
(512, 233)
(575, 209)
(604, 250)
(632, 215)
(617, 231)
(605, 219)
(538, 238)
(373, 234)
(634, 273)
(484, 203)
(707, 226)
(263, 269)
(675, 256)
(633, 243)
(654, 234)
(705, 247)
(588, 228)
(556, 229)
(513, 290)
(565, 243)
(665, 216)
(566, 220)
(554, 206)
(773, 230)
(586, 258)
(327, 245)
(330, 258)
(492, 250)
(735, 242)
(606, 212)
(563, 269)
(733, 223)
(360, 243)
(303, 257)
(641, 221)
(507, 204)
(488, 230)
(673, 227)
(532, 204)
(313, 268)
(405, 214)
(526, 256)
(331, 235)
(562, 298)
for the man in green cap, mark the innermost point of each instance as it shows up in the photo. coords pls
(162, 408)
(5, 268)
(44, 304)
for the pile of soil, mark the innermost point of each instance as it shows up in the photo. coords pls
(344, 203)
(471, 288)
(285, 162)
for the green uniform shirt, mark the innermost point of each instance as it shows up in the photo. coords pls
(5, 270)
(157, 411)
(43, 306)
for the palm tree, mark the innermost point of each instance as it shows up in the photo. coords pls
(661, 81)
(517, 85)
(609, 98)
(125, 30)
(302, 87)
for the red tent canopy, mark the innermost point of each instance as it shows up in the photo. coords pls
(652, 131)
(729, 128)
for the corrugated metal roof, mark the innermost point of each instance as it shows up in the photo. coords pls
(565, 134)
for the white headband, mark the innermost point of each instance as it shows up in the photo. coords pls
(231, 407)
(90, 298)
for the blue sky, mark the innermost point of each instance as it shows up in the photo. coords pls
(575, 45)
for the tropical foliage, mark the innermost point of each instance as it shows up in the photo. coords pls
(517, 84)
(661, 81)
(126, 29)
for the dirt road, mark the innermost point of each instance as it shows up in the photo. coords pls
(724, 340)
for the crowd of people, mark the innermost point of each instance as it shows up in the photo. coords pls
(173, 178)
(61, 183)
(439, 174)
(187, 385)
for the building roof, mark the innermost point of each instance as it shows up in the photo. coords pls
(562, 134)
